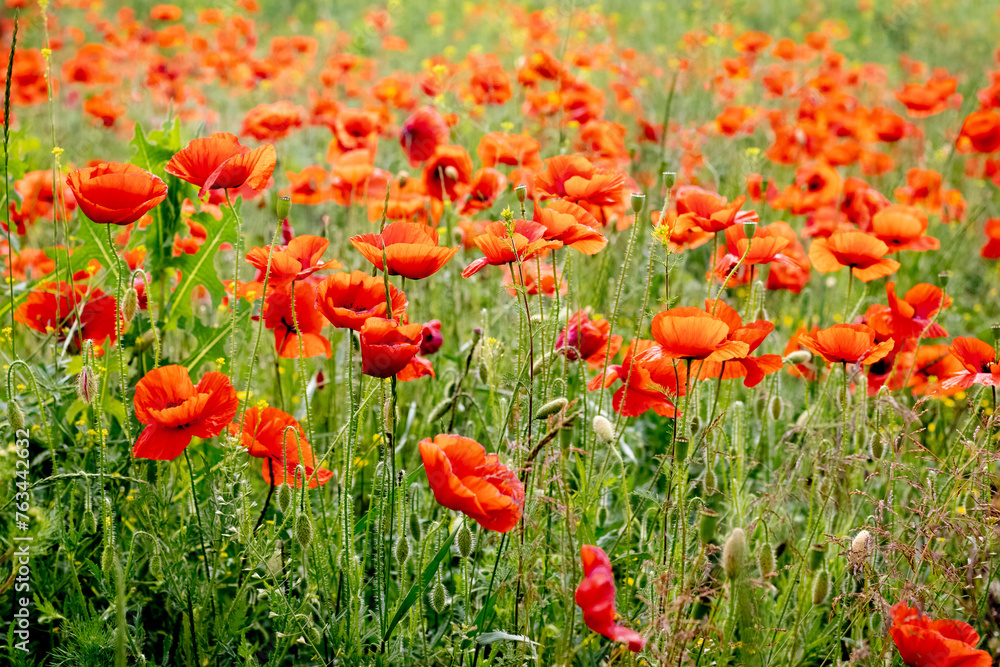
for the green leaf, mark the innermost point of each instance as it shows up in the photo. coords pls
(199, 268)
(497, 636)
(213, 342)
(420, 585)
(153, 152)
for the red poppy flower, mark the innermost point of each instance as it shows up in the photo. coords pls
(269, 122)
(220, 161)
(752, 369)
(115, 193)
(587, 339)
(596, 597)
(431, 339)
(417, 368)
(980, 132)
(911, 316)
(91, 310)
(925, 643)
(903, 228)
(464, 478)
(502, 247)
(864, 253)
(175, 410)
(264, 436)
(692, 333)
(448, 172)
(923, 100)
(565, 227)
(347, 300)
(422, 133)
(991, 249)
(979, 364)
(515, 150)
(575, 179)
(278, 317)
(411, 249)
(487, 184)
(640, 392)
(387, 346)
(296, 261)
(710, 211)
(846, 344)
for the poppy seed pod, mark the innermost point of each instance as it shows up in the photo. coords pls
(943, 278)
(284, 498)
(521, 192)
(749, 230)
(669, 178)
(603, 429)
(798, 357)
(282, 207)
(130, 306)
(734, 553)
(551, 408)
(15, 415)
(638, 202)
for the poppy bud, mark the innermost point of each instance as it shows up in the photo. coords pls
(439, 598)
(821, 587)
(431, 338)
(798, 357)
(860, 548)
(284, 498)
(156, 566)
(108, 558)
(15, 415)
(816, 556)
(695, 425)
(539, 365)
(710, 484)
(669, 178)
(450, 172)
(734, 553)
(602, 515)
(402, 551)
(638, 202)
(603, 429)
(759, 405)
(551, 408)
(775, 407)
(415, 530)
(130, 305)
(766, 559)
(465, 541)
(87, 385)
(303, 530)
(875, 444)
(440, 410)
(89, 521)
(521, 192)
(282, 207)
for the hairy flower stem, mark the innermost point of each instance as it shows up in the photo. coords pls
(302, 366)
(6, 183)
(122, 375)
(201, 540)
(236, 285)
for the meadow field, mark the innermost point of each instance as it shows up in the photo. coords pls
(489, 334)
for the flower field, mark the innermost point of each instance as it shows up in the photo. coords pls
(457, 334)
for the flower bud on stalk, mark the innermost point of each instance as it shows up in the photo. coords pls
(465, 541)
(130, 306)
(734, 553)
(87, 384)
(798, 357)
(284, 498)
(303, 530)
(551, 408)
(439, 598)
(603, 429)
(402, 550)
(821, 587)
(858, 553)
(15, 415)
(282, 207)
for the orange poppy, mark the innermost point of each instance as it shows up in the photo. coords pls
(925, 643)
(642, 392)
(864, 253)
(487, 184)
(264, 436)
(587, 339)
(846, 344)
(574, 178)
(174, 410)
(91, 311)
(710, 211)
(115, 193)
(464, 478)
(411, 249)
(979, 364)
(752, 369)
(980, 132)
(387, 346)
(422, 133)
(911, 316)
(692, 333)
(566, 228)
(347, 300)
(596, 597)
(278, 317)
(505, 246)
(903, 228)
(296, 261)
(923, 100)
(515, 150)
(447, 172)
(270, 122)
(537, 278)
(220, 161)
(991, 249)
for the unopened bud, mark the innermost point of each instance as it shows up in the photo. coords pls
(130, 306)
(439, 598)
(450, 172)
(860, 547)
(108, 558)
(465, 541)
(734, 554)
(415, 530)
(775, 407)
(284, 498)
(156, 566)
(303, 530)
(15, 415)
(551, 408)
(798, 357)
(440, 410)
(87, 385)
(603, 429)
(821, 587)
(638, 202)
(282, 207)
(89, 521)
(695, 425)
(402, 551)
(521, 192)
(766, 559)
